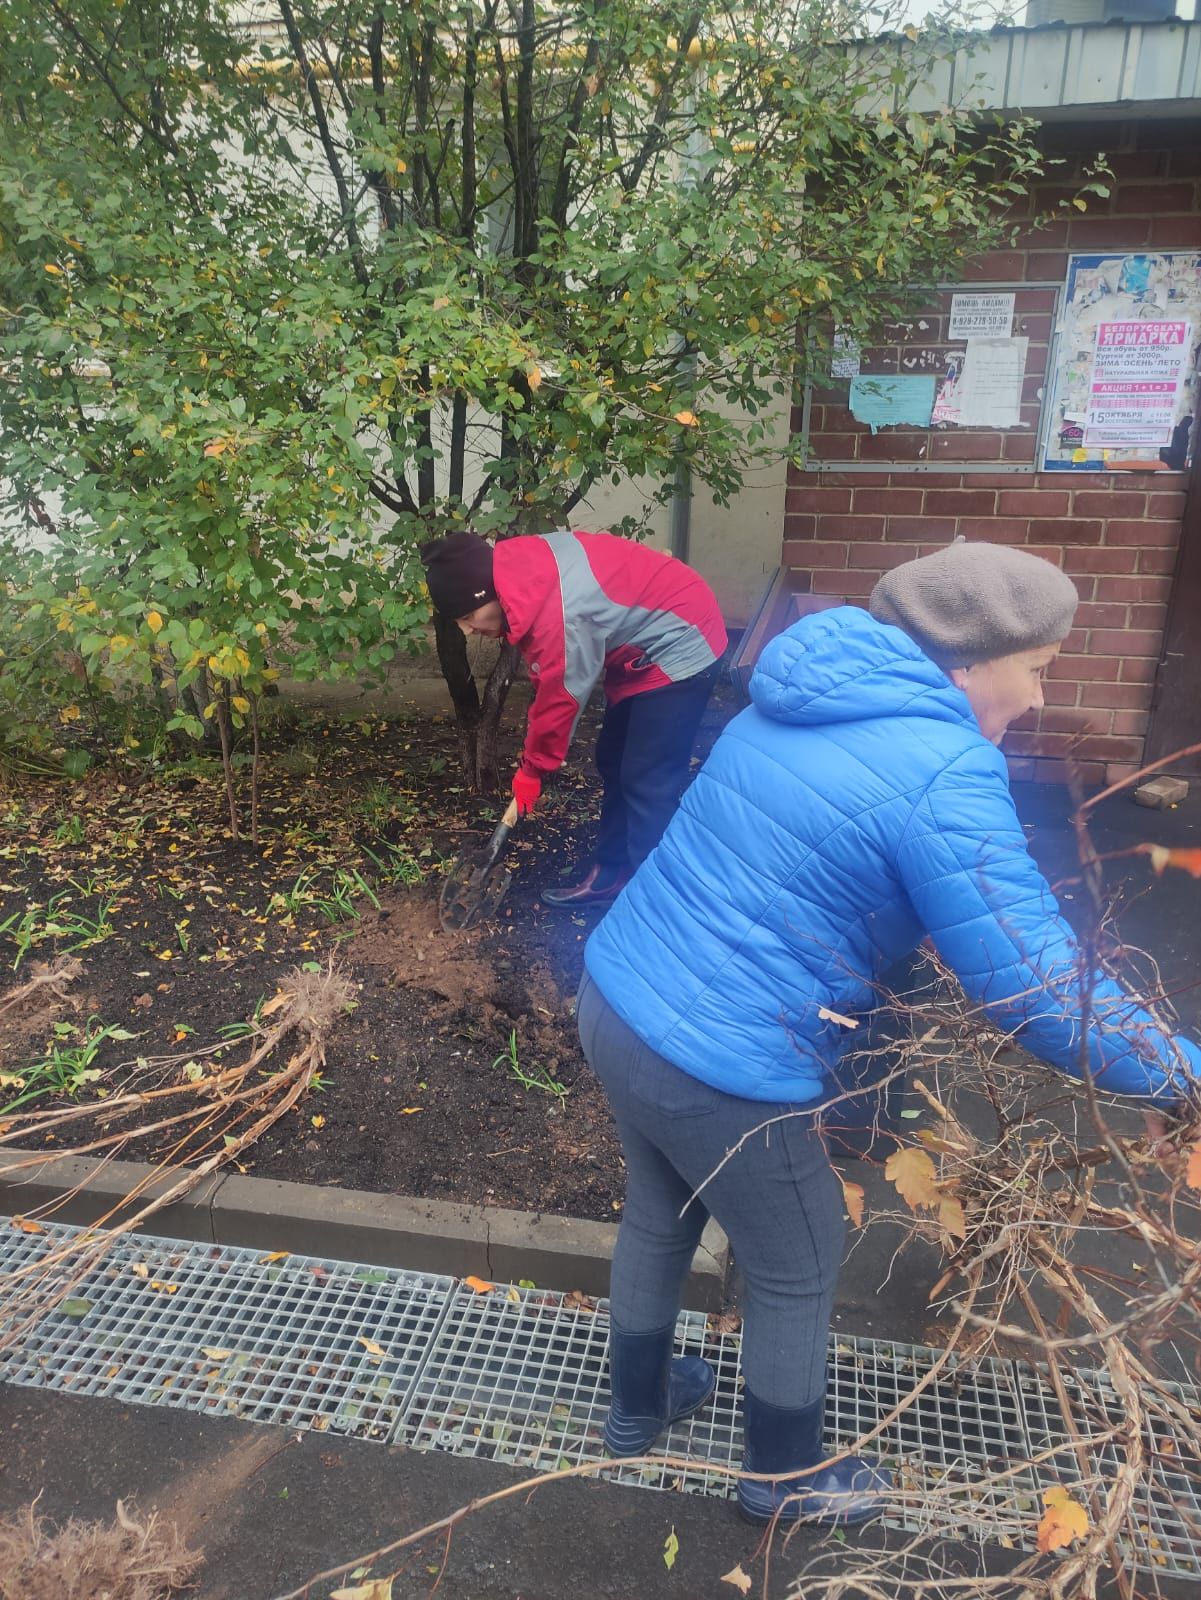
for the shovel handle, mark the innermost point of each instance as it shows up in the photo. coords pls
(499, 835)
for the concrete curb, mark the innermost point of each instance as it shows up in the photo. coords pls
(382, 1230)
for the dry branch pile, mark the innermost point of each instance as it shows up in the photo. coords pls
(204, 1119)
(121, 1560)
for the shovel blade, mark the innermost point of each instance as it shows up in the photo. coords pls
(470, 893)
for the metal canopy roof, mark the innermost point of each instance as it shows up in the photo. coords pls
(1061, 72)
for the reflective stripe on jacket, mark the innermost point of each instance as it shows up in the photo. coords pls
(577, 604)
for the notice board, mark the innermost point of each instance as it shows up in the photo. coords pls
(959, 382)
(1125, 383)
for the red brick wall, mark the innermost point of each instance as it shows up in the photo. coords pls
(1116, 534)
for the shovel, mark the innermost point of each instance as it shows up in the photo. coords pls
(474, 888)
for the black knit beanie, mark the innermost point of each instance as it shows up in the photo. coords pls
(458, 573)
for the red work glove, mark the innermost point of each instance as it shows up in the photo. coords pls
(526, 790)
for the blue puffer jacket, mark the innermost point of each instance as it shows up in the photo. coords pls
(852, 809)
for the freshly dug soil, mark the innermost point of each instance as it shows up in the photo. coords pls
(422, 1091)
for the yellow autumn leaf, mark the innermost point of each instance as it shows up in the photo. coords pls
(164, 1288)
(687, 419)
(317, 1122)
(753, 324)
(216, 447)
(479, 1285)
(273, 1005)
(1065, 1519)
(373, 1589)
(671, 1549)
(950, 1214)
(534, 378)
(370, 1345)
(69, 714)
(51, 268)
(215, 1355)
(154, 621)
(240, 704)
(852, 1198)
(912, 1174)
(23, 1225)
(1192, 1175)
(409, 1111)
(738, 1579)
(274, 1255)
(140, 1269)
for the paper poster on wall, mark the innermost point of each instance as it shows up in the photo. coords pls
(981, 316)
(1139, 370)
(845, 357)
(990, 391)
(887, 402)
(1126, 379)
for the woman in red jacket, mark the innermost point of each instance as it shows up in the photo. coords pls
(578, 605)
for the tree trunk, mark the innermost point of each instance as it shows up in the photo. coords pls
(451, 645)
(477, 721)
(496, 692)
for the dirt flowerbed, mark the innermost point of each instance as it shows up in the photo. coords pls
(457, 1073)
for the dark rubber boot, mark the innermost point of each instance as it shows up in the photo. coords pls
(650, 1391)
(778, 1440)
(598, 886)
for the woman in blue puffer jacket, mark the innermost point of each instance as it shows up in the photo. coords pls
(857, 806)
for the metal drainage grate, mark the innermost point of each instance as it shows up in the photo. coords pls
(954, 1446)
(1167, 1511)
(520, 1376)
(523, 1379)
(297, 1341)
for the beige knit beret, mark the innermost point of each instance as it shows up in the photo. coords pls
(974, 601)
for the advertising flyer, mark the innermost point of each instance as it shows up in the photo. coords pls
(1138, 378)
(1123, 393)
(981, 316)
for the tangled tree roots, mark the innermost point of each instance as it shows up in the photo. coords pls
(208, 1117)
(119, 1560)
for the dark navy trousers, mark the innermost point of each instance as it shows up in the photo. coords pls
(643, 754)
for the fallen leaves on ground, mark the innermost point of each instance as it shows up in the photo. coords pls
(1065, 1519)
(740, 1580)
(723, 1322)
(375, 1589)
(479, 1285)
(579, 1301)
(371, 1347)
(671, 1549)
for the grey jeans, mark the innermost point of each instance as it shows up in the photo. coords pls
(777, 1198)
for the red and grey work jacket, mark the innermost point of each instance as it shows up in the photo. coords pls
(577, 604)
